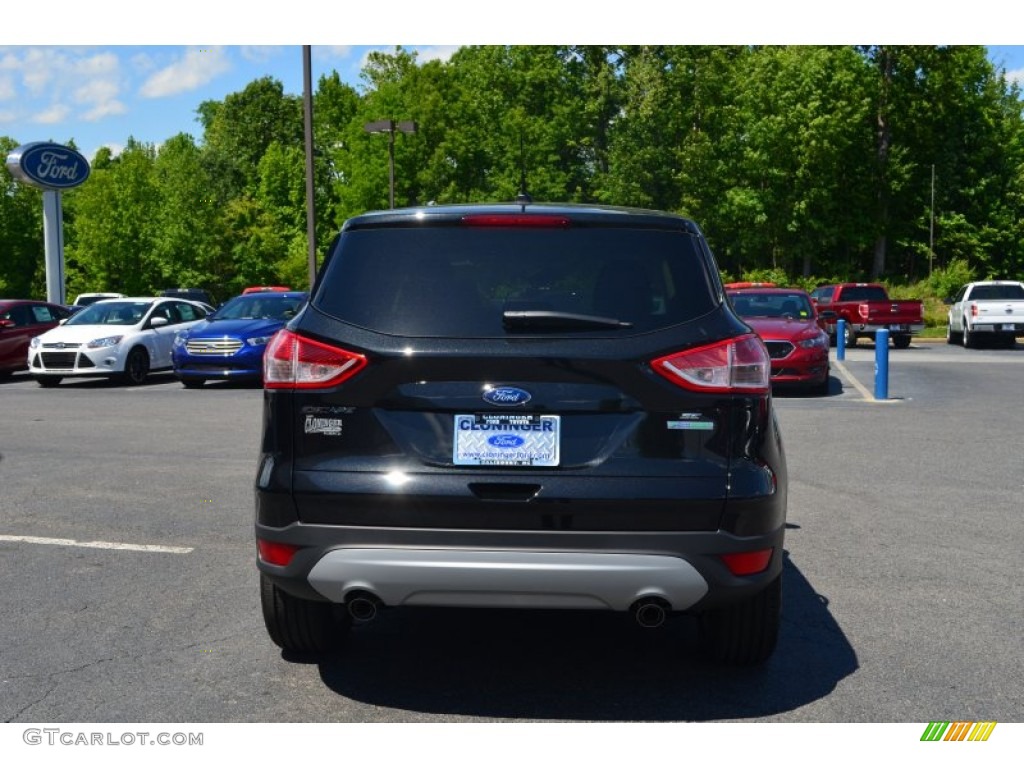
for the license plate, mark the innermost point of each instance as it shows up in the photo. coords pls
(898, 327)
(1009, 327)
(506, 440)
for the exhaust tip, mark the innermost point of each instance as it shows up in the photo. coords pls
(362, 606)
(650, 612)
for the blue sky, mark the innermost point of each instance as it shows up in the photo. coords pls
(130, 81)
(102, 95)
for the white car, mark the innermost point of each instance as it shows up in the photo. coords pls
(123, 339)
(990, 309)
(85, 299)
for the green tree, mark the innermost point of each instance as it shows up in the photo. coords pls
(110, 243)
(802, 157)
(184, 248)
(943, 107)
(22, 250)
(238, 130)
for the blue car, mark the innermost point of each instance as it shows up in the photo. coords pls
(229, 344)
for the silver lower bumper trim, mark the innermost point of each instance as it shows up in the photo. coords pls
(472, 578)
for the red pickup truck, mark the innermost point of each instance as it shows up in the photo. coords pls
(867, 308)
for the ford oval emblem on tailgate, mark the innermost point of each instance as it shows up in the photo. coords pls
(506, 396)
(505, 441)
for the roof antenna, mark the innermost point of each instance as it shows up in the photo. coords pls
(523, 197)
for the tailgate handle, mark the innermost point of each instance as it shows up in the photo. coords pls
(505, 491)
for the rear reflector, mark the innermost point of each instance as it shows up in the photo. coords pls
(747, 563)
(275, 553)
(734, 366)
(295, 362)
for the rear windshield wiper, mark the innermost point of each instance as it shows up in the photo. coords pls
(549, 320)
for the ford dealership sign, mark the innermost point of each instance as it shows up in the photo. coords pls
(48, 166)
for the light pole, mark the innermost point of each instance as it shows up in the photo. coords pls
(307, 121)
(389, 127)
(931, 226)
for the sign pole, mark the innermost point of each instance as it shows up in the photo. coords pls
(53, 244)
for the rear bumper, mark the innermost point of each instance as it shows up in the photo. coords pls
(515, 579)
(543, 569)
(994, 326)
(872, 328)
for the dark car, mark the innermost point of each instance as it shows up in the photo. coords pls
(191, 294)
(230, 343)
(788, 323)
(520, 406)
(20, 321)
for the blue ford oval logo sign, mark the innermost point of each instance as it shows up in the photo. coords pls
(49, 166)
(505, 441)
(506, 396)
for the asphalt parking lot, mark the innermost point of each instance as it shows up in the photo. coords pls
(130, 593)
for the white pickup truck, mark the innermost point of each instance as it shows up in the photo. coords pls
(992, 309)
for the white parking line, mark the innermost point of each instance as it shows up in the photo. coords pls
(864, 393)
(98, 544)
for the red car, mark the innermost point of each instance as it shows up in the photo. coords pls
(791, 328)
(20, 320)
(265, 289)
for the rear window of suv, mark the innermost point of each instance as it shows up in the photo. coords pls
(461, 281)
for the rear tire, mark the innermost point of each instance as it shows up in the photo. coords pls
(967, 338)
(901, 341)
(301, 626)
(850, 338)
(952, 337)
(744, 634)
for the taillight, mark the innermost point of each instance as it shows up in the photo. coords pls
(295, 362)
(974, 310)
(734, 366)
(864, 310)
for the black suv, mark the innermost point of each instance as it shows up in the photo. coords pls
(523, 406)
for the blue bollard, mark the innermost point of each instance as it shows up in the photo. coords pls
(841, 340)
(882, 364)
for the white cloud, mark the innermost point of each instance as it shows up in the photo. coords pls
(105, 63)
(435, 52)
(55, 78)
(142, 62)
(260, 53)
(333, 51)
(106, 109)
(1016, 76)
(96, 91)
(7, 91)
(55, 113)
(9, 62)
(196, 68)
(39, 68)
